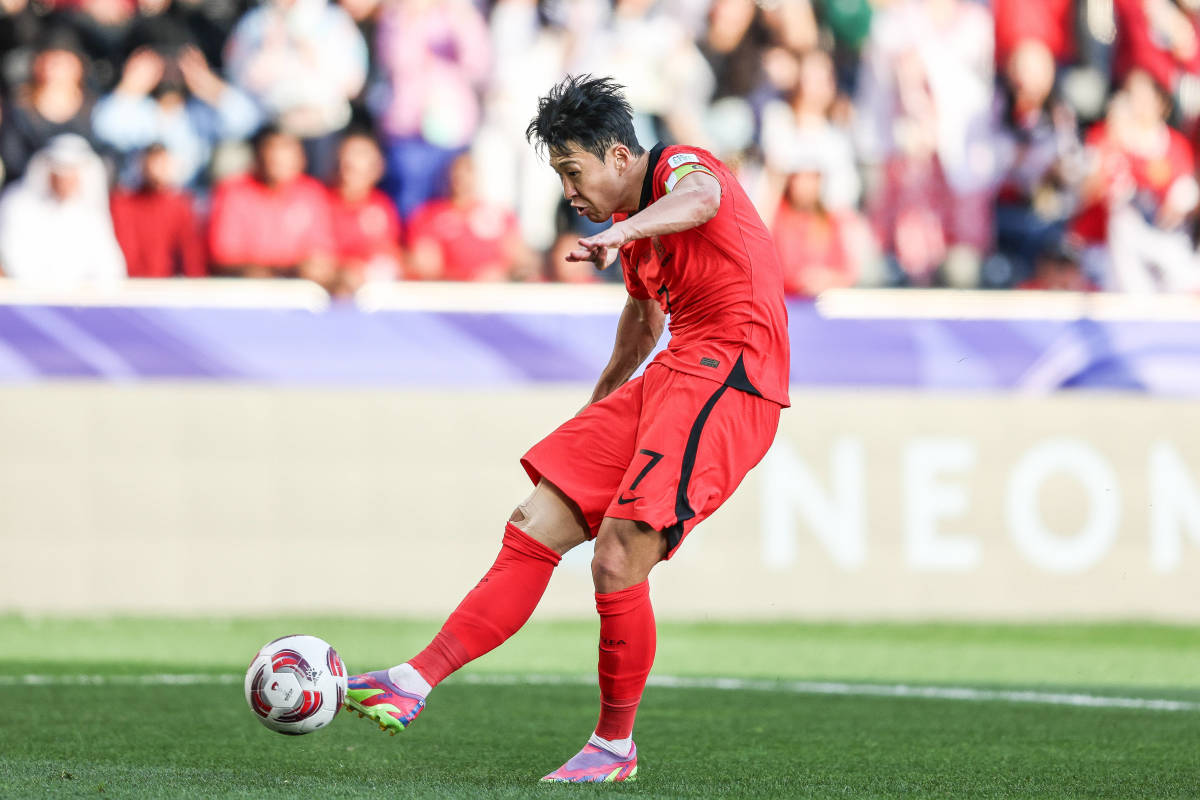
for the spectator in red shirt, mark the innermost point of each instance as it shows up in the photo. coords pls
(274, 221)
(1139, 196)
(465, 238)
(813, 243)
(1048, 22)
(1156, 36)
(1140, 158)
(366, 227)
(156, 224)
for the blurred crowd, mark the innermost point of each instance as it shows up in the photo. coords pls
(1013, 143)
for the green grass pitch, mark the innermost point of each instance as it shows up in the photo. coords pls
(125, 732)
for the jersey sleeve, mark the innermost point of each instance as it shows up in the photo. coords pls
(633, 284)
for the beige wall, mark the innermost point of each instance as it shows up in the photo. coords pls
(211, 498)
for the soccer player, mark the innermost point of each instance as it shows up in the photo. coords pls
(648, 458)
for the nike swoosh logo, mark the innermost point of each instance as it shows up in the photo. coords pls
(622, 501)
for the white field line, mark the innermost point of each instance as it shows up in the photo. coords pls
(671, 682)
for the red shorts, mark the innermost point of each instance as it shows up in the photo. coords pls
(666, 449)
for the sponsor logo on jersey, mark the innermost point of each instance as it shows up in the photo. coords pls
(680, 159)
(710, 362)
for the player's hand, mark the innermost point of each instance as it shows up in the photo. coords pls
(595, 248)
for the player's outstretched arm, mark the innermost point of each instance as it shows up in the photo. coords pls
(638, 330)
(693, 202)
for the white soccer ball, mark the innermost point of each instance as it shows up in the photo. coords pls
(296, 684)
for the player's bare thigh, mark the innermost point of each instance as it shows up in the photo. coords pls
(550, 517)
(626, 551)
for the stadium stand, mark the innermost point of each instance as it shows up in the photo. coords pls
(959, 143)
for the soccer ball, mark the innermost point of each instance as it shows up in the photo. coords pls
(296, 684)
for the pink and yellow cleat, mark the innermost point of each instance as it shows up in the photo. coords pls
(596, 765)
(374, 695)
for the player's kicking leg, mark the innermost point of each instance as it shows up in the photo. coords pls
(542, 528)
(626, 551)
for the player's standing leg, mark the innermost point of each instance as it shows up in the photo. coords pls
(626, 551)
(541, 529)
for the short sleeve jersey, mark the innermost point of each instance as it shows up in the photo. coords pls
(720, 283)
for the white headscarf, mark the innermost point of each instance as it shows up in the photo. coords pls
(52, 242)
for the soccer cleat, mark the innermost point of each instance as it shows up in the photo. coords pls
(374, 695)
(596, 765)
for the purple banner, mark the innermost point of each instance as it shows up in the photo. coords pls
(346, 346)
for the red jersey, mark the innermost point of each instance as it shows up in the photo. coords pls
(1152, 178)
(158, 233)
(1050, 22)
(366, 228)
(809, 242)
(1141, 44)
(474, 241)
(720, 283)
(283, 226)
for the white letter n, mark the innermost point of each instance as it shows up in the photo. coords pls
(1174, 507)
(836, 517)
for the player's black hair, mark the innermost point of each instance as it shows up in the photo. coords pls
(591, 112)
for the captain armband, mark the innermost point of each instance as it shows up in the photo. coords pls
(683, 171)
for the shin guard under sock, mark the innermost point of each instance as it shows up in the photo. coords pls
(627, 640)
(494, 610)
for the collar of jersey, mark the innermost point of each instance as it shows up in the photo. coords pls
(648, 182)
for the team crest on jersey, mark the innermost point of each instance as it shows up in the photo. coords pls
(682, 158)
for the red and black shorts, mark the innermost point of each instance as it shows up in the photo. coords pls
(667, 449)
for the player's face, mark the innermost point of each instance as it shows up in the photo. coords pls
(592, 187)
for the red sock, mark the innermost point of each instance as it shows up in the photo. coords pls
(494, 610)
(627, 639)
